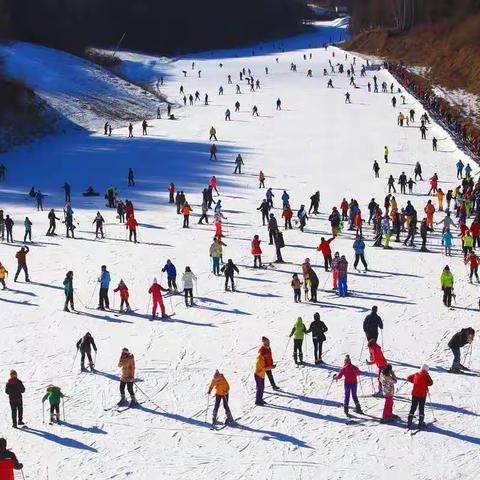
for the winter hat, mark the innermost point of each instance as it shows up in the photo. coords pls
(125, 351)
(307, 260)
(387, 369)
(265, 340)
(347, 360)
(217, 375)
(425, 367)
(13, 373)
(374, 308)
(316, 316)
(154, 279)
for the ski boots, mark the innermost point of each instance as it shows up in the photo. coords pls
(123, 402)
(358, 409)
(133, 402)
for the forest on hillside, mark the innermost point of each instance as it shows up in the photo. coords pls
(150, 25)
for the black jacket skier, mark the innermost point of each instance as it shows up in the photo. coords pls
(85, 345)
(372, 323)
(317, 329)
(229, 270)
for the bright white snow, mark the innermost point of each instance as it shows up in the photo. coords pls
(315, 142)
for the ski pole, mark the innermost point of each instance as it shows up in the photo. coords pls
(43, 413)
(63, 408)
(431, 408)
(361, 351)
(73, 364)
(206, 410)
(78, 298)
(286, 348)
(326, 396)
(371, 378)
(93, 293)
(383, 347)
(148, 398)
(23, 476)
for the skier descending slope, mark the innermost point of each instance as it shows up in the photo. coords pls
(127, 365)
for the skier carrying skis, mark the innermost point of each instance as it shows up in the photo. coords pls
(464, 337)
(222, 390)
(372, 323)
(156, 291)
(317, 329)
(85, 345)
(421, 381)
(127, 378)
(229, 270)
(54, 395)
(266, 353)
(350, 372)
(104, 280)
(298, 332)
(14, 389)
(446, 282)
(68, 289)
(377, 358)
(388, 380)
(124, 295)
(188, 278)
(8, 462)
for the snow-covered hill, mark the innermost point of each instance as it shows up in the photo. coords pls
(316, 142)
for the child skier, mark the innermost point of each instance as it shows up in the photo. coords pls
(54, 396)
(123, 289)
(222, 389)
(350, 372)
(260, 370)
(388, 380)
(421, 381)
(266, 352)
(297, 288)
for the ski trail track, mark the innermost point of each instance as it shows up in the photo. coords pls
(315, 143)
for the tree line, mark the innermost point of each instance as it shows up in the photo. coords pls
(149, 25)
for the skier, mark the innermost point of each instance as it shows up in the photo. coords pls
(3, 274)
(302, 217)
(131, 180)
(238, 164)
(391, 184)
(157, 300)
(472, 259)
(434, 144)
(272, 227)
(279, 104)
(104, 280)
(98, 221)
(261, 179)
(216, 254)
(85, 345)
(39, 196)
(447, 238)
(446, 282)
(8, 462)
(14, 389)
(21, 256)
(418, 171)
(421, 381)
(410, 184)
(377, 358)
(213, 151)
(3, 170)
(171, 276)
(335, 221)
(28, 229)
(376, 168)
(317, 329)
(124, 296)
(388, 380)
(256, 251)
(229, 270)
(67, 189)
(131, 226)
(423, 131)
(371, 324)
(68, 289)
(171, 193)
(144, 127)
(324, 247)
(188, 278)
(298, 332)
(279, 244)
(460, 339)
(186, 210)
(423, 235)
(402, 181)
(54, 395)
(127, 378)
(350, 372)
(266, 353)
(385, 153)
(433, 184)
(359, 248)
(269, 196)
(255, 111)
(51, 229)
(314, 203)
(213, 133)
(342, 267)
(222, 390)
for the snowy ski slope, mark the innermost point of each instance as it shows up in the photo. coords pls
(315, 142)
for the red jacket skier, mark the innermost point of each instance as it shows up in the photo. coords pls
(156, 290)
(377, 358)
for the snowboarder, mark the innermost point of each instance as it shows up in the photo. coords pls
(157, 300)
(188, 278)
(21, 256)
(54, 395)
(372, 323)
(104, 280)
(298, 332)
(464, 337)
(14, 389)
(222, 390)
(229, 270)
(124, 296)
(350, 372)
(127, 378)
(421, 381)
(85, 345)
(317, 329)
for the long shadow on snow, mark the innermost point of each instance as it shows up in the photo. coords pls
(113, 377)
(80, 428)
(23, 292)
(103, 317)
(148, 316)
(25, 302)
(64, 441)
(442, 406)
(46, 285)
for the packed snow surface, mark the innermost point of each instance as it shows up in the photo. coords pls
(316, 142)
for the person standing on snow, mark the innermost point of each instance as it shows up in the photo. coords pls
(314, 203)
(8, 462)
(216, 255)
(51, 229)
(14, 389)
(350, 372)
(302, 217)
(371, 324)
(124, 295)
(472, 259)
(222, 390)
(54, 395)
(266, 353)
(264, 208)
(104, 280)
(126, 363)
(260, 370)
(131, 226)
(359, 248)
(324, 247)
(377, 358)
(238, 164)
(98, 221)
(256, 251)
(131, 180)
(317, 329)
(157, 300)
(335, 221)
(21, 256)
(388, 380)
(68, 289)
(460, 339)
(272, 228)
(342, 266)
(171, 276)
(229, 270)
(213, 134)
(421, 381)
(376, 169)
(187, 279)
(85, 345)
(385, 153)
(298, 332)
(446, 282)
